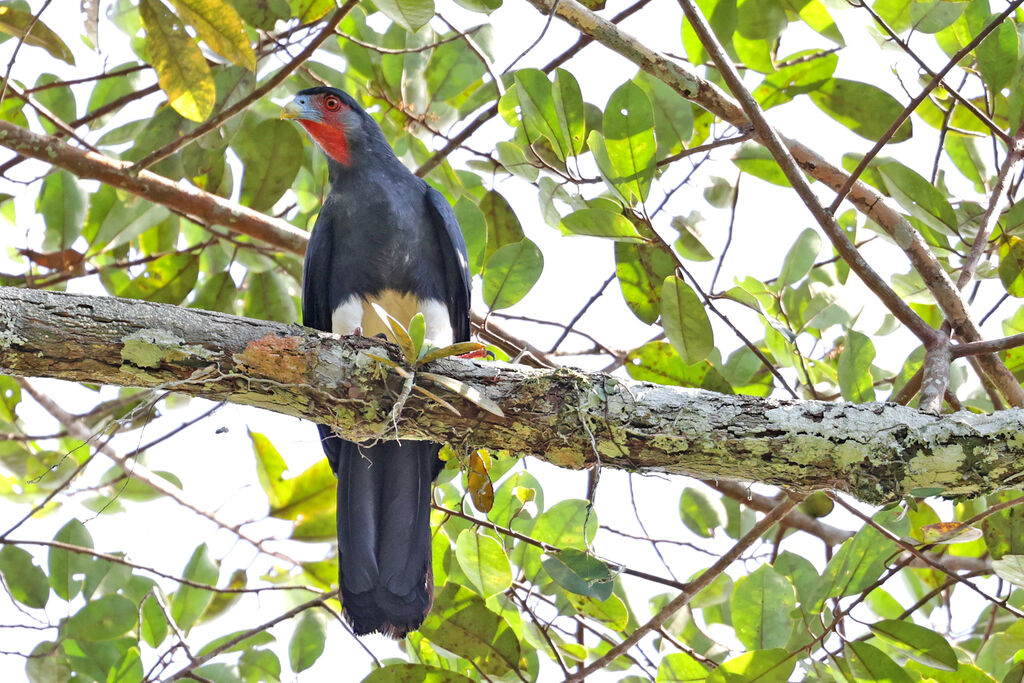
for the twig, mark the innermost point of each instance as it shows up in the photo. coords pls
(998, 198)
(224, 647)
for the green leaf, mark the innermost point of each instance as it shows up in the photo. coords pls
(540, 116)
(997, 55)
(26, 582)
(628, 131)
(267, 298)
(922, 644)
(641, 269)
(460, 622)
(263, 14)
(933, 16)
(411, 15)
(659, 362)
(503, 227)
(511, 272)
(21, 24)
(474, 231)
(104, 619)
(1010, 568)
(762, 666)
(1004, 530)
(580, 572)
(685, 320)
(854, 368)
(795, 79)
(484, 561)
(1011, 266)
(918, 196)
(153, 627)
(570, 109)
(217, 23)
(216, 293)
(799, 259)
(754, 159)
(257, 665)
(168, 279)
(180, 65)
(415, 673)
(64, 565)
(270, 470)
(188, 603)
(611, 612)
(680, 667)
(271, 156)
(701, 513)
(254, 640)
(600, 223)
(673, 114)
(858, 564)
(865, 109)
(761, 604)
(128, 668)
(869, 664)
(62, 204)
(307, 643)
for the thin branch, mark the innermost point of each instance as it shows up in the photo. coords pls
(224, 647)
(693, 588)
(998, 199)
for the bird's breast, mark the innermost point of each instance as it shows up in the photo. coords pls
(357, 315)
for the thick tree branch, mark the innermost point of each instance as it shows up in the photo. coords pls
(207, 208)
(875, 452)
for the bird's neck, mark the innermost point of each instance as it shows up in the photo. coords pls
(331, 140)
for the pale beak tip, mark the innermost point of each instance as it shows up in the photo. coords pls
(292, 110)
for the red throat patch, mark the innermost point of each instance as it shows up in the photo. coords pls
(329, 138)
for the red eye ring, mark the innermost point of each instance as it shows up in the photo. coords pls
(332, 103)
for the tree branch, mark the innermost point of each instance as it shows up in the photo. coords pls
(875, 452)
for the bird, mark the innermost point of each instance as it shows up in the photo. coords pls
(383, 236)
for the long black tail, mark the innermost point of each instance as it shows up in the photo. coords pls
(384, 531)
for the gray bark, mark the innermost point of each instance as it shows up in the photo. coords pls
(877, 452)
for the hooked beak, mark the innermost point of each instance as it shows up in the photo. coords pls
(294, 110)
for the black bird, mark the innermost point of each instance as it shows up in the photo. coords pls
(383, 236)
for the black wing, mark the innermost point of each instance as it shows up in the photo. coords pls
(316, 271)
(456, 262)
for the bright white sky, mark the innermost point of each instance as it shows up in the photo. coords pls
(218, 470)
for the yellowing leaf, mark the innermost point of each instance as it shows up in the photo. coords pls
(219, 26)
(180, 66)
(479, 482)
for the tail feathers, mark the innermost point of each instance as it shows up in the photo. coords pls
(384, 533)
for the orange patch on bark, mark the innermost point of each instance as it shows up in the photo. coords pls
(275, 357)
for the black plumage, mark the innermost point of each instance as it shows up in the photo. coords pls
(382, 235)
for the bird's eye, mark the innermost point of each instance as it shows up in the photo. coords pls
(332, 103)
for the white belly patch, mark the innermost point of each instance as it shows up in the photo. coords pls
(356, 314)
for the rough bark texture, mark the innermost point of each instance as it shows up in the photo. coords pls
(876, 452)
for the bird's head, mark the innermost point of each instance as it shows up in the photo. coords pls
(331, 117)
